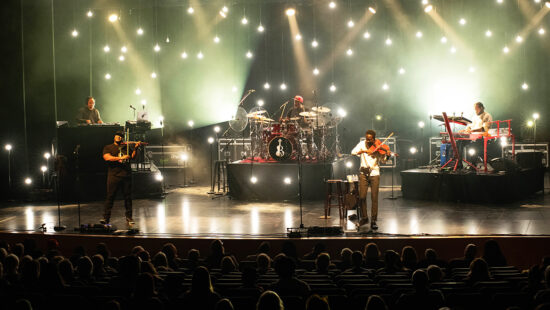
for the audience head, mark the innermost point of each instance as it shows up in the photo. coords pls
(193, 255)
(435, 274)
(224, 304)
(170, 250)
(23, 304)
(201, 281)
(30, 271)
(269, 300)
(18, 250)
(479, 270)
(392, 260)
(357, 259)
(227, 265)
(216, 248)
(284, 266)
(129, 266)
(316, 302)
(98, 263)
(420, 280)
(264, 247)
(263, 262)
(11, 263)
(371, 252)
(430, 254)
(66, 270)
(136, 250)
(101, 248)
(84, 267)
(149, 268)
(375, 302)
(160, 260)
(345, 255)
(409, 257)
(470, 252)
(322, 262)
(492, 253)
(289, 249)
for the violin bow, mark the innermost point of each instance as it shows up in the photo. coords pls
(383, 142)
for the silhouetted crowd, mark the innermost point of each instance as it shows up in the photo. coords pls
(33, 278)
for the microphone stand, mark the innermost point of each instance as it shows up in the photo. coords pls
(131, 107)
(78, 189)
(59, 227)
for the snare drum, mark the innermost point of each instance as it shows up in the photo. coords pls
(275, 129)
(290, 129)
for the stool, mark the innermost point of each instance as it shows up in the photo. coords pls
(330, 195)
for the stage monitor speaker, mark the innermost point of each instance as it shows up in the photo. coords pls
(530, 159)
(504, 164)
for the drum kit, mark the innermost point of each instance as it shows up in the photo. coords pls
(306, 137)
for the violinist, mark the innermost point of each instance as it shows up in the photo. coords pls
(119, 175)
(371, 151)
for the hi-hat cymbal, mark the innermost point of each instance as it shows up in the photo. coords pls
(294, 119)
(321, 109)
(256, 113)
(308, 114)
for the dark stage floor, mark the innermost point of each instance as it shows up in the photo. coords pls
(191, 212)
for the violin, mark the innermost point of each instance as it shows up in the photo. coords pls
(379, 147)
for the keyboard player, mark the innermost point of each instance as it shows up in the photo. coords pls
(481, 123)
(89, 114)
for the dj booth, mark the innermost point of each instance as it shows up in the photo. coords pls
(80, 167)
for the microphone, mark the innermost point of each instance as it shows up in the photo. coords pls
(132, 107)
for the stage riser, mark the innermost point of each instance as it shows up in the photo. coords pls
(471, 188)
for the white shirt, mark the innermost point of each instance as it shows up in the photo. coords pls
(367, 161)
(481, 121)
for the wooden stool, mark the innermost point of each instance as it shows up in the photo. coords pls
(330, 195)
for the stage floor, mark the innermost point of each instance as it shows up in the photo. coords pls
(191, 212)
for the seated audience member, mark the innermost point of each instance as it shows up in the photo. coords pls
(227, 265)
(66, 271)
(270, 300)
(171, 252)
(357, 263)
(193, 260)
(316, 302)
(543, 295)
(201, 295)
(224, 304)
(479, 271)
(30, 271)
(250, 282)
(430, 258)
(375, 302)
(289, 249)
(84, 268)
(318, 248)
(345, 259)
(145, 295)
(322, 264)
(288, 284)
(99, 272)
(421, 297)
(217, 253)
(160, 261)
(263, 248)
(392, 263)
(470, 252)
(11, 267)
(372, 257)
(129, 269)
(263, 263)
(493, 255)
(409, 258)
(435, 274)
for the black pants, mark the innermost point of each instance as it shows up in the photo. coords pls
(113, 184)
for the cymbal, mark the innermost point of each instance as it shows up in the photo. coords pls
(267, 119)
(294, 119)
(321, 109)
(256, 113)
(308, 114)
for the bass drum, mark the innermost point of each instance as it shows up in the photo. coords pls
(280, 148)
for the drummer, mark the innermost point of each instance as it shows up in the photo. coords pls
(294, 113)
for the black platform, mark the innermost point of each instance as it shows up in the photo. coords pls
(435, 185)
(271, 186)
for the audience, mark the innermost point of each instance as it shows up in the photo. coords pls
(316, 302)
(470, 252)
(421, 297)
(288, 284)
(372, 256)
(357, 263)
(269, 300)
(375, 302)
(430, 258)
(479, 271)
(493, 255)
(201, 294)
(409, 257)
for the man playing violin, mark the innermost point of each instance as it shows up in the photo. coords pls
(119, 175)
(371, 151)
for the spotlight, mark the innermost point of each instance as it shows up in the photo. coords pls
(253, 180)
(143, 102)
(28, 181)
(372, 10)
(190, 123)
(541, 31)
(283, 86)
(161, 119)
(8, 147)
(216, 39)
(43, 168)
(547, 4)
(314, 43)
(90, 14)
(234, 88)
(413, 150)
(184, 157)
(506, 50)
(500, 1)
(225, 9)
(210, 140)
(349, 164)
(216, 129)
(249, 54)
(421, 124)
(342, 113)
(298, 37)
(190, 10)
(287, 180)
(424, 2)
(167, 40)
(222, 13)
(530, 123)
(401, 70)
(366, 35)
(121, 58)
(472, 69)
(462, 21)
(351, 24)
(349, 52)
(525, 86)
(154, 75)
(138, 91)
(471, 152)
(106, 48)
(428, 8)
(260, 102)
(453, 50)
(419, 34)
(488, 33)
(266, 85)
(184, 55)
(261, 28)
(107, 76)
(503, 141)
(158, 176)
(140, 31)
(332, 88)
(316, 71)
(75, 33)
(519, 39)
(290, 12)
(378, 117)
(388, 42)
(157, 48)
(536, 116)
(443, 40)
(332, 5)
(385, 86)
(48, 155)
(244, 21)
(123, 49)
(113, 18)
(200, 55)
